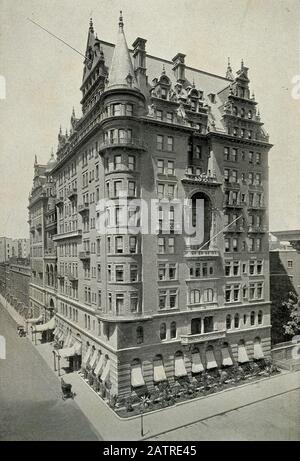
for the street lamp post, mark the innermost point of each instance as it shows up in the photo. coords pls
(142, 422)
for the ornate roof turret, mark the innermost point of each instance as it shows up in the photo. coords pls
(121, 74)
(229, 73)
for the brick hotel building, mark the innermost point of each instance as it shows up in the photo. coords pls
(146, 308)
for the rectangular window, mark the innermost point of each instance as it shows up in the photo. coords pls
(170, 117)
(160, 166)
(226, 175)
(160, 190)
(159, 142)
(159, 115)
(172, 271)
(129, 110)
(162, 299)
(170, 144)
(170, 167)
(119, 274)
(119, 303)
(133, 273)
(162, 272)
(131, 162)
(117, 188)
(119, 244)
(290, 264)
(234, 155)
(161, 245)
(134, 302)
(173, 298)
(171, 242)
(117, 162)
(132, 244)
(226, 153)
(131, 189)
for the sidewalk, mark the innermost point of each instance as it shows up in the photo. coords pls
(111, 427)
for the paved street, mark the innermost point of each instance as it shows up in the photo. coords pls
(276, 418)
(31, 407)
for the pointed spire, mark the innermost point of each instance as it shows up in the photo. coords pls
(229, 73)
(121, 23)
(163, 72)
(91, 28)
(121, 72)
(52, 153)
(242, 64)
(35, 159)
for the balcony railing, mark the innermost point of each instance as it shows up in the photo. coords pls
(235, 228)
(72, 277)
(186, 340)
(135, 143)
(84, 255)
(203, 178)
(72, 193)
(234, 204)
(59, 200)
(66, 235)
(51, 252)
(84, 207)
(257, 229)
(194, 253)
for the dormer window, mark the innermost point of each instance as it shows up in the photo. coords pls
(242, 112)
(193, 105)
(159, 114)
(249, 114)
(164, 93)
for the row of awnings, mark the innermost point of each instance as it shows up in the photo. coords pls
(35, 320)
(159, 373)
(98, 363)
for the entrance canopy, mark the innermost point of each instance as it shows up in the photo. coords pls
(45, 326)
(36, 320)
(70, 351)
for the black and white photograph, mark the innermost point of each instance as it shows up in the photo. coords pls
(150, 223)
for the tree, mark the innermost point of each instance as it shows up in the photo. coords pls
(292, 327)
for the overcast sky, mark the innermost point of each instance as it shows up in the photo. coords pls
(43, 77)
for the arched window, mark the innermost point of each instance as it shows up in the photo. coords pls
(260, 317)
(208, 295)
(139, 335)
(163, 331)
(173, 330)
(252, 318)
(195, 296)
(228, 322)
(236, 320)
(235, 110)
(245, 319)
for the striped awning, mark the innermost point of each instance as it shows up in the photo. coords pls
(137, 379)
(210, 360)
(258, 352)
(180, 367)
(105, 374)
(70, 351)
(94, 358)
(197, 366)
(242, 354)
(226, 359)
(159, 373)
(99, 366)
(87, 356)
